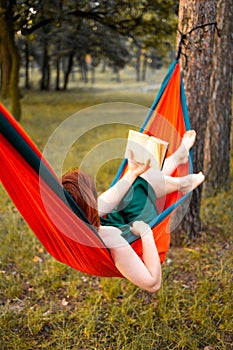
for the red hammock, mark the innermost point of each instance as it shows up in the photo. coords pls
(61, 227)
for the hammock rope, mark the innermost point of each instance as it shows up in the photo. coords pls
(61, 226)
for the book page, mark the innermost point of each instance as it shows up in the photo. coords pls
(137, 143)
(153, 153)
(156, 151)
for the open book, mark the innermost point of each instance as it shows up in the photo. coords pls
(146, 147)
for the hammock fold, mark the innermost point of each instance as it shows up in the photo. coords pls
(52, 214)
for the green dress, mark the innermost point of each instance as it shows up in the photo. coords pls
(139, 204)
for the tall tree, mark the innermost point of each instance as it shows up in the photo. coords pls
(9, 55)
(197, 67)
(220, 105)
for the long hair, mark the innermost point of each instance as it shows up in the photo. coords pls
(83, 190)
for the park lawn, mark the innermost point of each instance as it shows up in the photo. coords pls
(47, 305)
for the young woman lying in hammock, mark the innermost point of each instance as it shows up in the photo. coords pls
(131, 203)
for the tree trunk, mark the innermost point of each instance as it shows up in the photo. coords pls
(104, 66)
(68, 70)
(14, 81)
(93, 74)
(27, 62)
(57, 82)
(196, 72)
(144, 67)
(5, 62)
(116, 73)
(10, 58)
(219, 124)
(44, 85)
(83, 69)
(138, 64)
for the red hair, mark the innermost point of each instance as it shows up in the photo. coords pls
(82, 189)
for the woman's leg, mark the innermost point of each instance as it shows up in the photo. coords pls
(180, 156)
(164, 184)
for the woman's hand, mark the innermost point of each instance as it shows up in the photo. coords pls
(140, 228)
(108, 200)
(136, 167)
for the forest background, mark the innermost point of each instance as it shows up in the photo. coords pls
(59, 57)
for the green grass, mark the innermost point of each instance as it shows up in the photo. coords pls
(47, 305)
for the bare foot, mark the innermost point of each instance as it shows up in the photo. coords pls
(187, 143)
(189, 139)
(190, 182)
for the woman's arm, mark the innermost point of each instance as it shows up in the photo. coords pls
(145, 274)
(108, 200)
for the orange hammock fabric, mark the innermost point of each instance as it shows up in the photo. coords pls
(64, 232)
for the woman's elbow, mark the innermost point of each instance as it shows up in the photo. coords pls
(154, 288)
(156, 282)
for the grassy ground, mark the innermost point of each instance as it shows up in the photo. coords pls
(47, 305)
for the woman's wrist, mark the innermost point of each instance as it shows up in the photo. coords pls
(148, 232)
(130, 176)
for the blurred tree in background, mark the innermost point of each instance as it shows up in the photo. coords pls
(59, 34)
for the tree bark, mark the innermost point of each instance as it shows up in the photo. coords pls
(14, 81)
(220, 107)
(5, 62)
(10, 58)
(196, 65)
